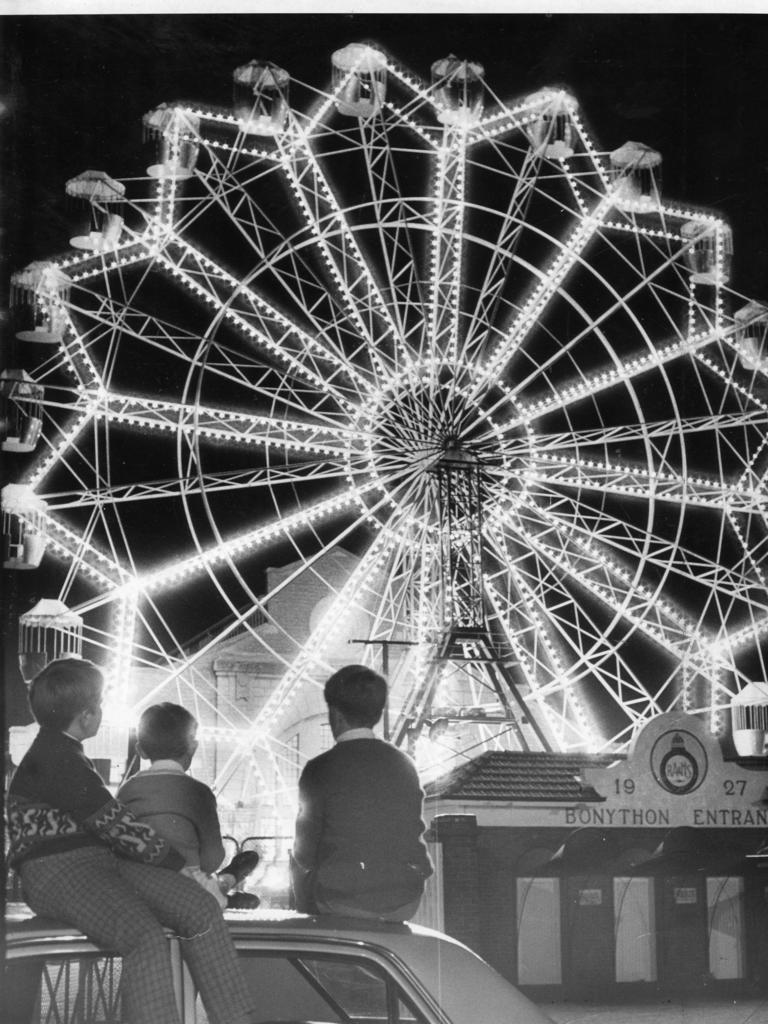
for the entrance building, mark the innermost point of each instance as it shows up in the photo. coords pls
(581, 875)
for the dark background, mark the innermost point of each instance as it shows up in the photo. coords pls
(74, 89)
(692, 86)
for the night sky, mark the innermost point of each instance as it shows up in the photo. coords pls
(75, 88)
(691, 86)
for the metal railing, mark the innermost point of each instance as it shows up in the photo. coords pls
(81, 990)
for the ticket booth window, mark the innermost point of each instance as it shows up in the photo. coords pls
(587, 911)
(635, 923)
(725, 904)
(539, 959)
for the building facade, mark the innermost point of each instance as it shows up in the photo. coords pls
(577, 876)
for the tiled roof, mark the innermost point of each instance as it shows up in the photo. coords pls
(516, 775)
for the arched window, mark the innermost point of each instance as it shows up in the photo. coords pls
(539, 957)
(725, 903)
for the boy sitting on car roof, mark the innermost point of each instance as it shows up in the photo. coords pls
(358, 849)
(182, 809)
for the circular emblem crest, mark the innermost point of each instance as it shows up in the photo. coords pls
(678, 762)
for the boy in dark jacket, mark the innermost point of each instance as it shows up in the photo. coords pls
(358, 849)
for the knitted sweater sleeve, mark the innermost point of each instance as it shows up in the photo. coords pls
(116, 826)
(57, 793)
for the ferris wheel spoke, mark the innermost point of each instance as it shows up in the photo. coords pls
(441, 337)
(751, 533)
(714, 366)
(394, 220)
(619, 300)
(593, 384)
(63, 359)
(752, 564)
(308, 449)
(336, 241)
(253, 380)
(73, 456)
(162, 490)
(57, 444)
(394, 619)
(613, 586)
(729, 644)
(100, 570)
(227, 183)
(389, 599)
(506, 120)
(572, 442)
(77, 357)
(655, 251)
(640, 544)
(535, 655)
(239, 305)
(157, 582)
(658, 485)
(178, 669)
(551, 123)
(92, 267)
(547, 693)
(291, 266)
(560, 632)
(286, 260)
(532, 181)
(115, 319)
(479, 333)
(577, 632)
(616, 369)
(385, 601)
(550, 282)
(216, 424)
(247, 542)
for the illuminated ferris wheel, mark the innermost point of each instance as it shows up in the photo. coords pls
(442, 332)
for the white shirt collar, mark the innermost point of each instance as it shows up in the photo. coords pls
(165, 765)
(356, 734)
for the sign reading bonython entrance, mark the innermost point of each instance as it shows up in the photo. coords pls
(674, 775)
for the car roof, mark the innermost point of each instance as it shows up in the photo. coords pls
(449, 970)
(21, 921)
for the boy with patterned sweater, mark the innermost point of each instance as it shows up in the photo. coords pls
(84, 858)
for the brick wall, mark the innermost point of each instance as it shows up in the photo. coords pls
(498, 902)
(458, 835)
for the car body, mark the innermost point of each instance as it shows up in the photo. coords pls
(322, 970)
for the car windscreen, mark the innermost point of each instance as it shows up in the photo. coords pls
(324, 989)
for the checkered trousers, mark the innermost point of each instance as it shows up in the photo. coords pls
(123, 905)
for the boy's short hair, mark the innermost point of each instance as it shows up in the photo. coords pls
(166, 731)
(63, 689)
(358, 693)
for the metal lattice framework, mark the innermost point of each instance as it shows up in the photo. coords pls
(306, 318)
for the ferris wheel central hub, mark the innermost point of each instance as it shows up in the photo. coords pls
(454, 451)
(436, 414)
